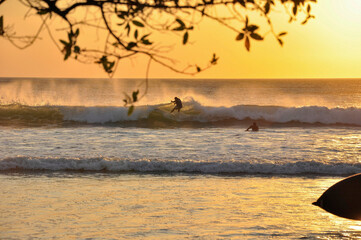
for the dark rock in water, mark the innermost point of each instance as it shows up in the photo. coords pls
(343, 198)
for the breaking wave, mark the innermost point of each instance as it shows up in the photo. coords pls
(192, 112)
(189, 166)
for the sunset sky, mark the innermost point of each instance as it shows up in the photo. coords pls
(328, 46)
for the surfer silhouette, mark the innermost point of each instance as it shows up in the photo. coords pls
(254, 127)
(178, 104)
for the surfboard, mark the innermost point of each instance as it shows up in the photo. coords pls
(343, 199)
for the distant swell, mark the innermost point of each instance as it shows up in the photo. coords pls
(23, 164)
(193, 112)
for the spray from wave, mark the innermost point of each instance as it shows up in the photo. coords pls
(193, 112)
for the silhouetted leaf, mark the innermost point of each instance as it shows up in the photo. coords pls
(180, 28)
(122, 14)
(135, 95)
(110, 66)
(294, 10)
(130, 110)
(107, 65)
(131, 45)
(76, 34)
(252, 28)
(256, 36)
(127, 27)
(136, 34)
(214, 59)
(2, 25)
(266, 8)
(70, 37)
(181, 23)
(282, 34)
(145, 36)
(242, 2)
(137, 23)
(146, 42)
(240, 36)
(280, 41)
(64, 42)
(43, 11)
(76, 49)
(198, 69)
(247, 43)
(185, 38)
(67, 53)
(127, 99)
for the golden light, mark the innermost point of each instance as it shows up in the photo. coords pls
(346, 11)
(326, 47)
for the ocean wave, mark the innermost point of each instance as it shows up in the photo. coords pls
(192, 112)
(189, 166)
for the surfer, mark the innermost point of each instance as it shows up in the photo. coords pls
(178, 104)
(254, 127)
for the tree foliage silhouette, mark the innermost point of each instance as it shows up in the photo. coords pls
(130, 27)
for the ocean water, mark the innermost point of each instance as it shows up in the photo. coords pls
(74, 165)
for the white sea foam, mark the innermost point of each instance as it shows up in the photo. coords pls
(191, 112)
(104, 114)
(189, 166)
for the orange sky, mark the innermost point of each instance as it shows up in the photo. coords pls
(326, 47)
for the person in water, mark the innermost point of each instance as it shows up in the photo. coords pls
(254, 127)
(178, 104)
